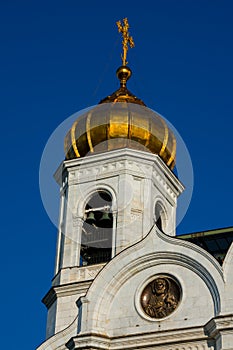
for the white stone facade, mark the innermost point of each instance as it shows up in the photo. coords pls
(99, 306)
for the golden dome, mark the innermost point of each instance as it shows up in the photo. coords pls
(121, 120)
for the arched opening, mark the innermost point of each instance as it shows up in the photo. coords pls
(160, 217)
(96, 241)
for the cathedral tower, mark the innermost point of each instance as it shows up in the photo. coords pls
(122, 280)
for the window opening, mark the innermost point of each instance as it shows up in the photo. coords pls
(160, 217)
(96, 242)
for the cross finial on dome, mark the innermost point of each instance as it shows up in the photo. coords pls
(127, 39)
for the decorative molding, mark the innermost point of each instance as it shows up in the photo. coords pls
(77, 220)
(177, 339)
(219, 324)
(77, 274)
(65, 290)
(115, 161)
(135, 213)
(194, 247)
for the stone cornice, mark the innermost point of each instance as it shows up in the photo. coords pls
(79, 273)
(140, 340)
(120, 156)
(222, 323)
(65, 290)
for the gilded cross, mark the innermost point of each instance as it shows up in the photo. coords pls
(127, 39)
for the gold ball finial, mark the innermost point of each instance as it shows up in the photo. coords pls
(123, 74)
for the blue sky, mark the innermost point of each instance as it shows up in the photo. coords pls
(59, 57)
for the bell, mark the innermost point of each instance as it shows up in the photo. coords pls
(105, 220)
(91, 218)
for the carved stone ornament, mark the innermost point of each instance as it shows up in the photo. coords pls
(160, 297)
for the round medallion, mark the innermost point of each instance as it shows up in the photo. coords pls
(160, 297)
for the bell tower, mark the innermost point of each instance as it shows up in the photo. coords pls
(116, 183)
(122, 279)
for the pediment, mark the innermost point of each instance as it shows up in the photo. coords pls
(113, 299)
